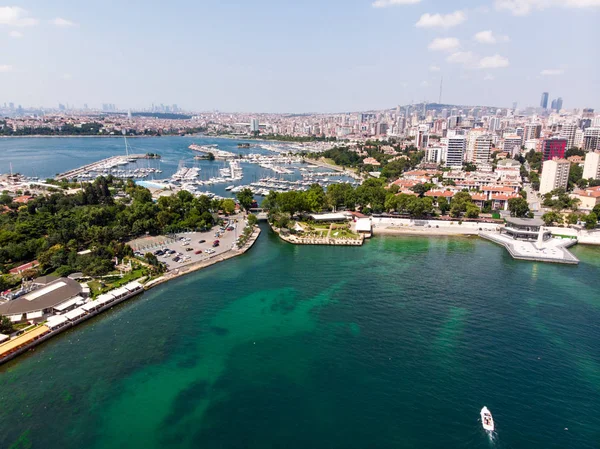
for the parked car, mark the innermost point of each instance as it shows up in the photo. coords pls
(216, 243)
(230, 228)
(198, 252)
(202, 241)
(176, 259)
(185, 243)
(189, 249)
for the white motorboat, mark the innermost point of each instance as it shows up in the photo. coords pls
(486, 419)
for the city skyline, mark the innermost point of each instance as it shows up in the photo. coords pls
(273, 58)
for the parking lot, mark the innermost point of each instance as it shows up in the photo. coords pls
(185, 248)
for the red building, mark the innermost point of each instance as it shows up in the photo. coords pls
(554, 147)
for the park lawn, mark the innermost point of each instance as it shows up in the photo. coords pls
(96, 285)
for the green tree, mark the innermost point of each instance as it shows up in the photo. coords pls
(459, 204)
(6, 326)
(252, 219)
(591, 221)
(228, 206)
(245, 197)
(518, 207)
(550, 218)
(472, 211)
(315, 198)
(443, 204)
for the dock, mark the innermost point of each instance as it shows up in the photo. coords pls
(112, 161)
(554, 250)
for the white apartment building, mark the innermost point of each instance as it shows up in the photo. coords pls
(434, 154)
(591, 168)
(591, 139)
(512, 143)
(568, 132)
(483, 149)
(455, 151)
(555, 175)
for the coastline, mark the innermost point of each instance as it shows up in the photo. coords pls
(182, 271)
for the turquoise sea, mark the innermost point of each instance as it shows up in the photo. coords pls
(397, 344)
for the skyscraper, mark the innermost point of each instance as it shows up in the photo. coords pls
(544, 102)
(559, 104)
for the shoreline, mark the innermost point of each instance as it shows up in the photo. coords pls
(182, 271)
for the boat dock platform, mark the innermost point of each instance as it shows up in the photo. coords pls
(112, 161)
(554, 250)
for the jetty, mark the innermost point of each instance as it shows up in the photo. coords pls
(527, 239)
(99, 166)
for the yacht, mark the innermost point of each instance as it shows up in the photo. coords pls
(228, 188)
(486, 419)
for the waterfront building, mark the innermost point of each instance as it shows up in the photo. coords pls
(47, 293)
(554, 147)
(254, 126)
(527, 229)
(591, 167)
(555, 175)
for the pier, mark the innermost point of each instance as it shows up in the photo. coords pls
(110, 162)
(552, 250)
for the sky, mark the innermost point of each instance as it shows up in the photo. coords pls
(299, 56)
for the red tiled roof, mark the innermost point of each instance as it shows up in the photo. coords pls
(437, 193)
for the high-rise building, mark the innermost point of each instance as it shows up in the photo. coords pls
(568, 132)
(494, 124)
(483, 149)
(554, 148)
(254, 126)
(422, 136)
(512, 143)
(591, 139)
(544, 102)
(455, 151)
(591, 168)
(433, 154)
(532, 131)
(559, 104)
(555, 175)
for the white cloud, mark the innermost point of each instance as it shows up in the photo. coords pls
(441, 21)
(16, 17)
(434, 68)
(64, 23)
(489, 77)
(552, 72)
(493, 62)
(15, 34)
(524, 7)
(424, 83)
(487, 37)
(6, 68)
(460, 57)
(444, 44)
(386, 3)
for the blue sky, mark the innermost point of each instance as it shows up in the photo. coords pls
(299, 56)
